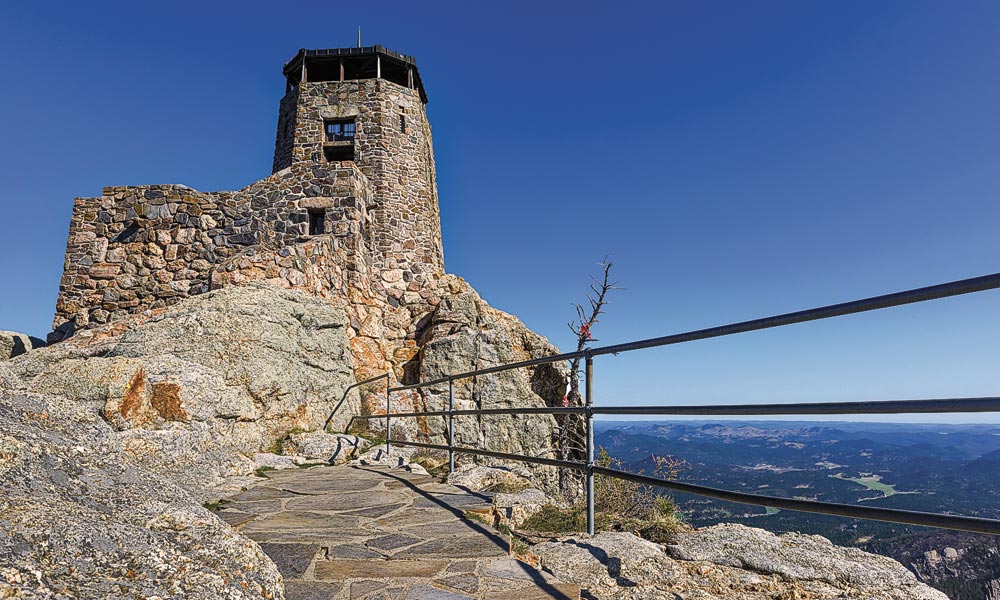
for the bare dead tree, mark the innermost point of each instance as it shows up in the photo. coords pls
(583, 327)
(571, 428)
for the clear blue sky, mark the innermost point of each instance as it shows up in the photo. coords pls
(737, 159)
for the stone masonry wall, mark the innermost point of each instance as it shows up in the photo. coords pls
(284, 138)
(143, 247)
(398, 161)
(137, 248)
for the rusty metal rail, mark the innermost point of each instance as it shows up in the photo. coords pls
(588, 410)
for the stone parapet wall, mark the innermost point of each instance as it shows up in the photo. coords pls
(136, 248)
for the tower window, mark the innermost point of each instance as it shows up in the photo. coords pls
(340, 131)
(337, 152)
(317, 221)
(402, 123)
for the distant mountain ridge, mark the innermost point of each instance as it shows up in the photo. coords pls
(925, 467)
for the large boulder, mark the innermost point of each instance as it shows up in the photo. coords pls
(14, 344)
(795, 556)
(211, 381)
(728, 561)
(464, 333)
(333, 448)
(79, 518)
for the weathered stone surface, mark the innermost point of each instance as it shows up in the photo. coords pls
(14, 344)
(464, 582)
(198, 388)
(427, 592)
(334, 500)
(194, 458)
(513, 509)
(335, 448)
(339, 569)
(481, 477)
(480, 546)
(8, 380)
(292, 560)
(508, 568)
(360, 589)
(78, 520)
(267, 460)
(311, 590)
(453, 501)
(464, 333)
(623, 566)
(798, 557)
(393, 541)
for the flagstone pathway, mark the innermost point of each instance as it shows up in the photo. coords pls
(339, 533)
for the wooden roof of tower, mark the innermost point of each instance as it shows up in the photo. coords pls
(393, 66)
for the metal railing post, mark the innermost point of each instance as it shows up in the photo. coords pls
(388, 409)
(589, 401)
(451, 425)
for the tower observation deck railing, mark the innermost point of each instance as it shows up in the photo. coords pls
(588, 410)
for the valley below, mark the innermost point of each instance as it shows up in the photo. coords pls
(952, 469)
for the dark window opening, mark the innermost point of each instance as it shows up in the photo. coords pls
(402, 123)
(340, 131)
(317, 221)
(365, 66)
(341, 152)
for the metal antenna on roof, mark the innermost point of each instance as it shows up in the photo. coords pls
(359, 36)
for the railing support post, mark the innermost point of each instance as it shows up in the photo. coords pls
(388, 409)
(589, 401)
(451, 425)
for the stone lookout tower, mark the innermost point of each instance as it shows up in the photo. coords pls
(367, 106)
(351, 204)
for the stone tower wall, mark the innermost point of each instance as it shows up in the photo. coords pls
(399, 164)
(284, 138)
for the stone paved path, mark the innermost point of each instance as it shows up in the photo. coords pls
(372, 532)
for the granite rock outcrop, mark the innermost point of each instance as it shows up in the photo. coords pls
(728, 561)
(80, 519)
(198, 389)
(14, 344)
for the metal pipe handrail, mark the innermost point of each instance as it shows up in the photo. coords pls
(589, 468)
(876, 407)
(552, 462)
(934, 292)
(871, 513)
(871, 407)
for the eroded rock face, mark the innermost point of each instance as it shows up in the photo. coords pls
(729, 561)
(209, 382)
(463, 334)
(8, 380)
(78, 518)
